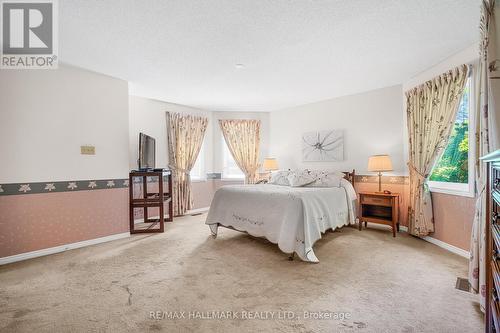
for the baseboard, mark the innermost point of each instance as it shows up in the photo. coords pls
(441, 244)
(61, 248)
(198, 210)
(447, 246)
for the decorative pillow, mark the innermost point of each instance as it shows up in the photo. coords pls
(327, 179)
(280, 178)
(301, 178)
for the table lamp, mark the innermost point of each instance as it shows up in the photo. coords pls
(270, 164)
(379, 163)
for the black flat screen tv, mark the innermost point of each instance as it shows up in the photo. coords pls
(147, 152)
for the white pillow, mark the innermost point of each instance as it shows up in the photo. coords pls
(327, 179)
(301, 178)
(280, 178)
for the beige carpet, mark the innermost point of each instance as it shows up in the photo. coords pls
(377, 283)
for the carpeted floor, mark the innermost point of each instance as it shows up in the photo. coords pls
(366, 282)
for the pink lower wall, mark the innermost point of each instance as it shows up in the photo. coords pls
(453, 217)
(30, 222)
(37, 221)
(203, 192)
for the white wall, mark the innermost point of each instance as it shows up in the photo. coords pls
(372, 124)
(46, 115)
(149, 116)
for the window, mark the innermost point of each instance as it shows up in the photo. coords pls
(198, 170)
(230, 169)
(453, 173)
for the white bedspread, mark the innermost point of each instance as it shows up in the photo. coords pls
(292, 217)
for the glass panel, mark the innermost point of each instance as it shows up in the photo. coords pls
(198, 170)
(231, 169)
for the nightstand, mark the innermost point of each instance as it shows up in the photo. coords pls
(381, 208)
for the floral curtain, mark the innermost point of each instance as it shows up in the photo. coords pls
(243, 139)
(431, 112)
(487, 94)
(185, 136)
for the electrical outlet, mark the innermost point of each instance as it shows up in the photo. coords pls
(87, 150)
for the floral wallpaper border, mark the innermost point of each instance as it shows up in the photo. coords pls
(68, 186)
(106, 184)
(402, 180)
(61, 186)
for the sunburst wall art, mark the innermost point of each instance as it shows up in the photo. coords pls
(323, 146)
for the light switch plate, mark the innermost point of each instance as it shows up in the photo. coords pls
(87, 150)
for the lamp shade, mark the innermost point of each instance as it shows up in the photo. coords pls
(379, 163)
(270, 164)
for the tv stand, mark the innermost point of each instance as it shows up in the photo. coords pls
(155, 199)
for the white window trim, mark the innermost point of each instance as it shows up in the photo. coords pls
(460, 189)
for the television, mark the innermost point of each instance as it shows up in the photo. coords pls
(147, 152)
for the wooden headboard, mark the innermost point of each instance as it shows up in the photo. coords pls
(350, 176)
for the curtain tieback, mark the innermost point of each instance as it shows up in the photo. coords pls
(481, 187)
(175, 169)
(415, 171)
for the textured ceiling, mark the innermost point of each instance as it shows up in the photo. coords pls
(294, 52)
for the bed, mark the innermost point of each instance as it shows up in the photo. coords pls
(294, 218)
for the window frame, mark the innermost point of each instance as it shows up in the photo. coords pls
(225, 154)
(463, 189)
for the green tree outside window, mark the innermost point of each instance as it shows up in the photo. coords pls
(453, 167)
